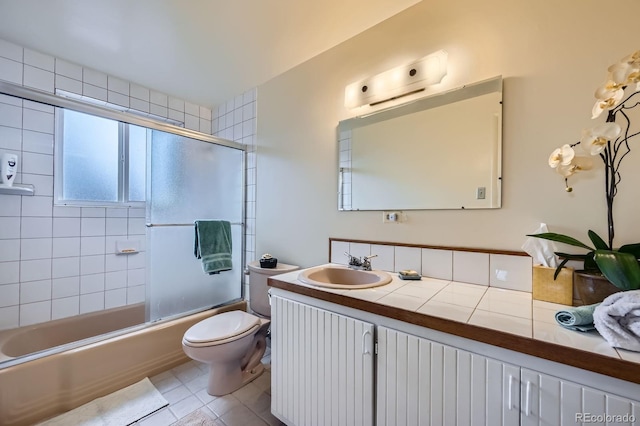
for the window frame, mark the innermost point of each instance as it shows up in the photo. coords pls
(123, 166)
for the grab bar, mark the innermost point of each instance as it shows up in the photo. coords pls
(151, 225)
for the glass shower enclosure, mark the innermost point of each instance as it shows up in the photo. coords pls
(189, 180)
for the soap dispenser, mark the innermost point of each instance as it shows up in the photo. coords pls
(8, 168)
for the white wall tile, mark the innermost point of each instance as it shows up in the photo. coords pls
(68, 84)
(358, 250)
(205, 113)
(93, 212)
(10, 115)
(137, 226)
(33, 270)
(136, 260)
(38, 121)
(158, 98)
(11, 71)
(115, 279)
(66, 227)
(176, 104)
(205, 126)
(66, 247)
(192, 109)
(117, 85)
(92, 246)
(39, 60)
(9, 295)
(37, 206)
(35, 291)
(118, 98)
(91, 264)
(176, 115)
(38, 79)
(337, 252)
(437, 264)
(36, 248)
(43, 184)
(33, 313)
(65, 267)
(139, 105)
(115, 298)
(91, 302)
(9, 250)
(116, 212)
(38, 142)
(65, 287)
(385, 257)
(159, 110)
(408, 258)
(63, 308)
(116, 226)
(471, 267)
(10, 138)
(9, 227)
(94, 78)
(135, 277)
(136, 212)
(139, 92)
(135, 294)
(66, 211)
(9, 272)
(38, 106)
(92, 226)
(95, 92)
(68, 69)
(36, 227)
(115, 262)
(511, 272)
(39, 164)
(92, 283)
(10, 205)
(191, 122)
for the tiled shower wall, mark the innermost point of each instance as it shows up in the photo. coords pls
(57, 262)
(236, 120)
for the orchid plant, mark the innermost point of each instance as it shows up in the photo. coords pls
(618, 96)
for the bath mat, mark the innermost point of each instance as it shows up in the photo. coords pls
(197, 418)
(119, 408)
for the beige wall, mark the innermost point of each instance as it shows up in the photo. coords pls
(552, 56)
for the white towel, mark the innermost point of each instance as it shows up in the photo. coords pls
(617, 319)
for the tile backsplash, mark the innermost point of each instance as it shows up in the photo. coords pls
(507, 271)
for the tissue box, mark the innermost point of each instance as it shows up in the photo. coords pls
(546, 289)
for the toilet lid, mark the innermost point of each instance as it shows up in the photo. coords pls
(221, 327)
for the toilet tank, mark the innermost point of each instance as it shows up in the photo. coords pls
(258, 296)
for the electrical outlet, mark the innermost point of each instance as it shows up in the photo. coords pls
(481, 192)
(391, 217)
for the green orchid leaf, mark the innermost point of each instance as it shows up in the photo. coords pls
(634, 249)
(590, 263)
(569, 256)
(621, 269)
(552, 236)
(559, 268)
(597, 241)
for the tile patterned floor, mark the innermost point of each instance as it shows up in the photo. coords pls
(184, 387)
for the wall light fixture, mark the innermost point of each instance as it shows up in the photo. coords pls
(397, 82)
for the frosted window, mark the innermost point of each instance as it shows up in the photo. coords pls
(137, 161)
(90, 158)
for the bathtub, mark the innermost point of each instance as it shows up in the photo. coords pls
(52, 383)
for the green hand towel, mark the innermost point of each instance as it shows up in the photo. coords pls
(579, 318)
(213, 245)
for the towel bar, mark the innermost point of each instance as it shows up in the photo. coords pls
(152, 225)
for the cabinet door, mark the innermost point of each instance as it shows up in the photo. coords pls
(548, 400)
(321, 366)
(420, 382)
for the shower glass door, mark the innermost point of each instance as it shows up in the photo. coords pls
(190, 180)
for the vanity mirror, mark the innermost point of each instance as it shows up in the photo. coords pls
(438, 152)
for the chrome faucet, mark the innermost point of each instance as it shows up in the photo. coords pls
(363, 263)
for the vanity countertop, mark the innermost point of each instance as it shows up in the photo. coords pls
(504, 318)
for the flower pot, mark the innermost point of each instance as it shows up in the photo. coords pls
(592, 287)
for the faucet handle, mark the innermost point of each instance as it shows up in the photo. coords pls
(370, 257)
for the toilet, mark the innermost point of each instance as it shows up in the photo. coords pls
(258, 286)
(233, 343)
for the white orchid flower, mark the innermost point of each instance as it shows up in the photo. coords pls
(625, 73)
(594, 140)
(608, 96)
(632, 59)
(578, 164)
(561, 156)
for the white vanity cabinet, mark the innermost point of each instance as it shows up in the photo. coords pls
(427, 383)
(322, 366)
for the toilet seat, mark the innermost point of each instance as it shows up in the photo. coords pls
(222, 328)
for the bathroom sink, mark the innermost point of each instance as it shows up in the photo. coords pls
(343, 277)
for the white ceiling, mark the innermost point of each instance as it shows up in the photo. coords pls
(205, 51)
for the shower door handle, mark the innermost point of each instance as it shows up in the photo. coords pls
(365, 348)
